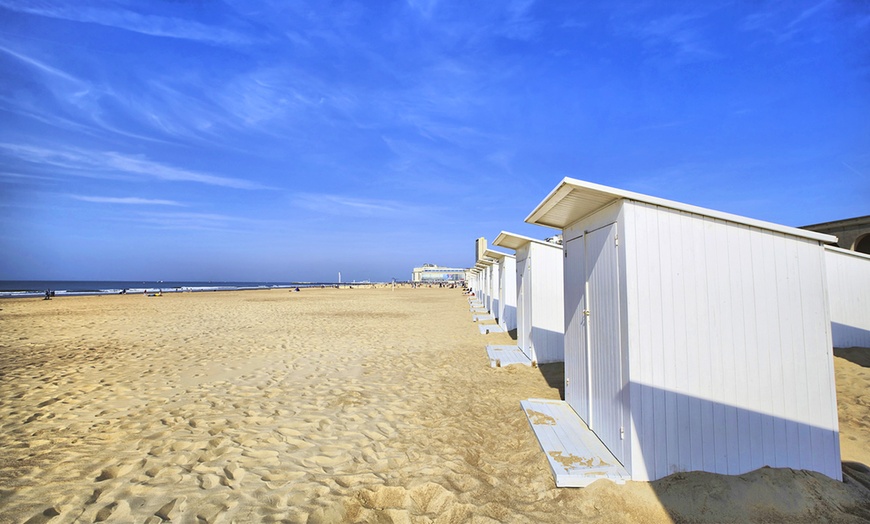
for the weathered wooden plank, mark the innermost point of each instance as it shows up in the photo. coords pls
(502, 356)
(576, 456)
(486, 329)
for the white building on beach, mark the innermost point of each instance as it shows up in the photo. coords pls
(505, 289)
(695, 340)
(539, 289)
(434, 273)
(848, 275)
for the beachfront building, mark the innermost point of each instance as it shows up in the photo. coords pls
(505, 289)
(848, 275)
(694, 339)
(431, 273)
(540, 308)
(852, 233)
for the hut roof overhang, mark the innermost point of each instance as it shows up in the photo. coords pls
(573, 199)
(514, 241)
(496, 255)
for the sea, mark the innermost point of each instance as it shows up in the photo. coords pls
(37, 288)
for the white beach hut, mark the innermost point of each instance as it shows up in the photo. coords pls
(539, 287)
(505, 289)
(483, 283)
(849, 297)
(490, 299)
(694, 339)
(472, 283)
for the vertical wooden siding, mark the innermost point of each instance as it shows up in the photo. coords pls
(493, 289)
(576, 361)
(548, 306)
(524, 304)
(729, 346)
(508, 293)
(849, 297)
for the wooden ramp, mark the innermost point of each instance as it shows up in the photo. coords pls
(501, 356)
(576, 456)
(483, 316)
(486, 329)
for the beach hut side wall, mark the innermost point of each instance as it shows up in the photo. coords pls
(849, 297)
(729, 344)
(485, 290)
(494, 289)
(508, 293)
(546, 290)
(524, 301)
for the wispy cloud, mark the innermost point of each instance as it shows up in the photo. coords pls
(810, 12)
(780, 22)
(677, 35)
(42, 66)
(194, 221)
(110, 164)
(120, 18)
(353, 206)
(136, 201)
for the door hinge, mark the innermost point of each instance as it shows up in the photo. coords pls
(616, 239)
(621, 433)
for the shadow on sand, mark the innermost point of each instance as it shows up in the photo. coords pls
(554, 374)
(860, 356)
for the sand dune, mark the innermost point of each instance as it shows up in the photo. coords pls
(364, 405)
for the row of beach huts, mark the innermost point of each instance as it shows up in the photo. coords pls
(692, 340)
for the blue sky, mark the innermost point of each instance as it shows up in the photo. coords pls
(291, 140)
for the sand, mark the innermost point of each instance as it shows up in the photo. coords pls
(350, 405)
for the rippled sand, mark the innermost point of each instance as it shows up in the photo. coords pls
(362, 405)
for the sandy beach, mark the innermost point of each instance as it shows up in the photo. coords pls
(327, 405)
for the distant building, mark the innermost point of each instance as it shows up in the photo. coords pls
(852, 233)
(479, 248)
(433, 273)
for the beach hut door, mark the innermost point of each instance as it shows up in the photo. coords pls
(592, 278)
(524, 324)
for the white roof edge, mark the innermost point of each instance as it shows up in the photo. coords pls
(521, 240)
(837, 249)
(567, 185)
(495, 254)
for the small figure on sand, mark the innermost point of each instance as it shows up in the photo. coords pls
(48, 294)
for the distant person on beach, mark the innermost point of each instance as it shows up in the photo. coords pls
(47, 294)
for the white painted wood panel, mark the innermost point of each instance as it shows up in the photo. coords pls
(605, 349)
(576, 363)
(524, 304)
(548, 307)
(733, 370)
(493, 288)
(507, 315)
(848, 275)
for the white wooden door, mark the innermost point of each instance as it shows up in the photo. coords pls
(605, 348)
(524, 303)
(576, 370)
